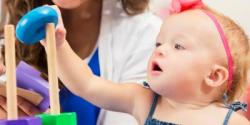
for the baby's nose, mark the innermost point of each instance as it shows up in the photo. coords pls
(160, 51)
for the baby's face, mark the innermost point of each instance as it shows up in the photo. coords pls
(187, 47)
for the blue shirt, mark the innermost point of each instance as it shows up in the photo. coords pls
(87, 113)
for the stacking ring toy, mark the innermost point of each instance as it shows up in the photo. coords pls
(31, 28)
(58, 119)
(29, 78)
(22, 121)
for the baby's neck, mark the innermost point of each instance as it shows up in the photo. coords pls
(185, 104)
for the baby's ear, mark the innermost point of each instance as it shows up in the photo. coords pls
(217, 76)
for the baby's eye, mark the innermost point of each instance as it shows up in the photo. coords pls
(158, 44)
(178, 46)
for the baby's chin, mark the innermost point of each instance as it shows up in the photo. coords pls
(161, 91)
(157, 87)
(166, 89)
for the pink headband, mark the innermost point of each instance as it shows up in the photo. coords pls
(178, 6)
(227, 49)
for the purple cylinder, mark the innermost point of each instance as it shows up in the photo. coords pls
(30, 79)
(22, 121)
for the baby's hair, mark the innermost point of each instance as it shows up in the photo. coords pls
(239, 45)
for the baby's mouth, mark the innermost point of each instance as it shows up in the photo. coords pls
(156, 67)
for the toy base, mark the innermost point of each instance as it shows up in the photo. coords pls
(60, 119)
(22, 121)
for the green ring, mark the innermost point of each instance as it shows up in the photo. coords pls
(60, 119)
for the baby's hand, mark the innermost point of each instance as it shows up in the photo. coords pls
(60, 31)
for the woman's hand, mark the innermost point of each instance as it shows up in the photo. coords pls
(25, 108)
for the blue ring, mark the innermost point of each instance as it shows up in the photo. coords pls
(32, 26)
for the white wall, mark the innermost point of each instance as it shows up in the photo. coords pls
(158, 4)
(238, 10)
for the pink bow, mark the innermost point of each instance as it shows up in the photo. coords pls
(178, 6)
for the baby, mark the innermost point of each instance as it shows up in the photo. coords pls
(194, 75)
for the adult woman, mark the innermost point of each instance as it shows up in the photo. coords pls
(115, 37)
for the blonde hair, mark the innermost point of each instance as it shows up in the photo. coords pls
(239, 45)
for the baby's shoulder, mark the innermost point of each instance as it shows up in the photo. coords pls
(237, 119)
(222, 115)
(234, 118)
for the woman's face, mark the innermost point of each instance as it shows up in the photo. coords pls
(69, 4)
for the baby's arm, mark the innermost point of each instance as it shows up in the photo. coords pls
(79, 79)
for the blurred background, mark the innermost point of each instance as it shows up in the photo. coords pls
(238, 10)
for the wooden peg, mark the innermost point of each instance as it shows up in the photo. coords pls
(9, 36)
(52, 71)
